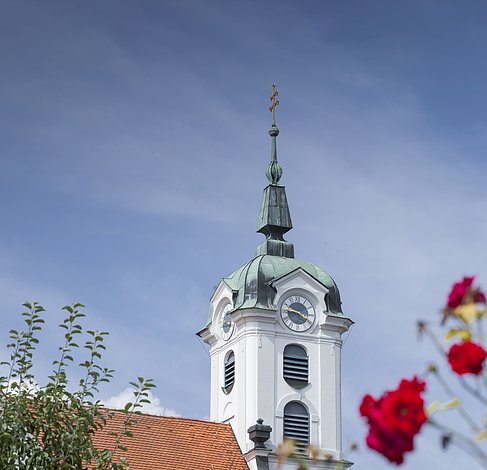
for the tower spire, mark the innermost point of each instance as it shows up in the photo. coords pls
(274, 170)
(274, 217)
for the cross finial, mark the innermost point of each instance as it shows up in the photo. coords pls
(274, 103)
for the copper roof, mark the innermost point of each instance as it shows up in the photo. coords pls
(163, 442)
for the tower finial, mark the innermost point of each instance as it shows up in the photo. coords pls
(274, 170)
(274, 104)
(274, 217)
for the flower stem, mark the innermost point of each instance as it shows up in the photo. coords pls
(434, 340)
(462, 441)
(461, 410)
(472, 390)
(480, 330)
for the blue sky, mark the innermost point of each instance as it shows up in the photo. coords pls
(133, 149)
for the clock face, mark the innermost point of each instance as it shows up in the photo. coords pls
(226, 323)
(297, 313)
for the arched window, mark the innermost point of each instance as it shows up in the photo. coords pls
(295, 366)
(296, 424)
(229, 372)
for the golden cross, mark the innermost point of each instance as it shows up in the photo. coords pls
(274, 103)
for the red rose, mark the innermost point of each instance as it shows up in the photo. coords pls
(467, 358)
(403, 408)
(479, 296)
(460, 290)
(394, 419)
(391, 445)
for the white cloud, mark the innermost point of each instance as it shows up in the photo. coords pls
(125, 396)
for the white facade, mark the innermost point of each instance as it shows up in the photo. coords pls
(258, 339)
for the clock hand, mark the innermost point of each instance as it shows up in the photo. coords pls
(298, 312)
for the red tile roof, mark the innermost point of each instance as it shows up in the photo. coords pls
(168, 443)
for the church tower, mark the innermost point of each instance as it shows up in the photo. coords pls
(275, 330)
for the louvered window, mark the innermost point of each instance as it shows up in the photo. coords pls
(296, 424)
(295, 366)
(229, 378)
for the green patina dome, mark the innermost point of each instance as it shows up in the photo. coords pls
(251, 284)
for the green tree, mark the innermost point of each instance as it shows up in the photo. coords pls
(51, 426)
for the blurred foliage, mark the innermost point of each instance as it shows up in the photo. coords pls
(51, 426)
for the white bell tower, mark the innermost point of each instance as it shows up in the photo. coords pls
(275, 333)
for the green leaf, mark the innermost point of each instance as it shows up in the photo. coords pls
(433, 407)
(448, 405)
(436, 405)
(462, 332)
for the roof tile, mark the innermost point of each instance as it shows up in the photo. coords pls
(166, 443)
